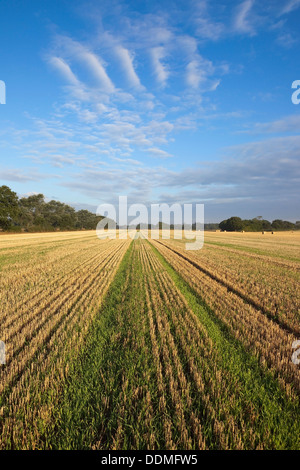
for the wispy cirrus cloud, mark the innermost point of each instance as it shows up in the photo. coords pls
(242, 22)
(286, 40)
(263, 174)
(21, 176)
(290, 6)
(288, 124)
(140, 106)
(126, 61)
(65, 70)
(160, 69)
(159, 153)
(93, 62)
(73, 52)
(207, 27)
(200, 73)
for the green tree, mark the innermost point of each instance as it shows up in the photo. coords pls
(31, 212)
(58, 215)
(9, 207)
(86, 219)
(279, 224)
(234, 224)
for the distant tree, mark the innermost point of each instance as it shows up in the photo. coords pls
(34, 203)
(279, 224)
(9, 207)
(31, 212)
(266, 225)
(256, 225)
(59, 215)
(86, 219)
(234, 224)
(223, 224)
(208, 226)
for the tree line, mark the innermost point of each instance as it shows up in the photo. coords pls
(34, 214)
(258, 224)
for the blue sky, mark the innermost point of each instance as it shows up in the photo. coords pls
(162, 101)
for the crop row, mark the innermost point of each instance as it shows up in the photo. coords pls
(49, 329)
(270, 342)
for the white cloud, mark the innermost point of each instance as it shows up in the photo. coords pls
(20, 176)
(127, 65)
(209, 30)
(206, 28)
(187, 44)
(160, 70)
(75, 52)
(241, 20)
(65, 70)
(198, 71)
(288, 124)
(194, 75)
(286, 40)
(254, 173)
(125, 160)
(290, 6)
(159, 153)
(98, 70)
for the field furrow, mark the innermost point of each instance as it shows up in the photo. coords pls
(124, 345)
(37, 349)
(274, 292)
(266, 338)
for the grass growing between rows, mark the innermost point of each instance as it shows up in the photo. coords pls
(277, 423)
(111, 398)
(105, 401)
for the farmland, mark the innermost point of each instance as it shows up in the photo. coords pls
(140, 344)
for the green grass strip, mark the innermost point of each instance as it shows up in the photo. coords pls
(104, 396)
(278, 426)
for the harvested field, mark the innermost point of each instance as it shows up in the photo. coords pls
(141, 344)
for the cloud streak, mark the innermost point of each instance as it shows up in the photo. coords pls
(241, 21)
(160, 70)
(65, 70)
(126, 61)
(290, 6)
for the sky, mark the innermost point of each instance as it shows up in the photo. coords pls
(162, 101)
